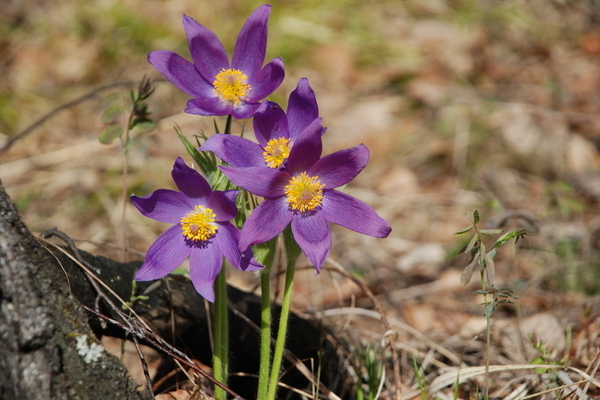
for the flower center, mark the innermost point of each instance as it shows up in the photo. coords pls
(199, 224)
(230, 85)
(277, 151)
(304, 193)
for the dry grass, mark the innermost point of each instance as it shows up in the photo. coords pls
(464, 105)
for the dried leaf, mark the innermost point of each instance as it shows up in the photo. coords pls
(490, 266)
(471, 244)
(465, 276)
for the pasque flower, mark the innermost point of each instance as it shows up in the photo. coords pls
(202, 230)
(220, 87)
(303, 195)
(275, 130)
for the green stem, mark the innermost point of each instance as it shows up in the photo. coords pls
(228, 125)
(488, 318)
(265, 334)
(283, 324)
(221, 326)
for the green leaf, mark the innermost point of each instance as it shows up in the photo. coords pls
(508, 236)
(179, 271)
(264, 253)
(111, 114)
(463, 231)
(143, 125)
(488, 310)
(537, 361)
(358, 273)
(111, 133)
(206, 164)
(111, 98)
(490, 231)
(475, 217)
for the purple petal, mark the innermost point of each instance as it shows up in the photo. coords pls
(234, 150)
(208, 105)
(270, 122)
(244, 109)
(342, 209)
(205, 265)
(251, 44)
(307, 149)
(261, 181)
(313, 235)
(265, 81)
(341, 167)
(181, 73)
(223, 204)
(302, 108)
(164, 255)
(264, 223)
(164, 205)
(228, 241)
(190, 182)
(207, 50)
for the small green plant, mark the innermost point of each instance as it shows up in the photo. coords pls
(420, 378)
(484, 259)
(134, 102)
(372, 370)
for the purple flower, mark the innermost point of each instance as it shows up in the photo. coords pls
(202, 230)
(275, 132)
(303, 194)
(217, 86)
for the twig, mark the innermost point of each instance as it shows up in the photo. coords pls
(390, 333)
(13, 138)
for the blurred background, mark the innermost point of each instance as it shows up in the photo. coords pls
(465, 105)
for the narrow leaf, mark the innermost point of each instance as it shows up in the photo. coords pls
(508, 236)
(490, 231)
(490, 268)
(206, 165)
(471, 244)
(463, 231)
(467, 274)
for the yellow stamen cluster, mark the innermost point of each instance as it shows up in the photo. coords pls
(199, 224)
(304, 193)
(230, 85)
(277, 151)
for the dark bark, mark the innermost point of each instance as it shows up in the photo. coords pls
(41, 321)
(41, 324)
